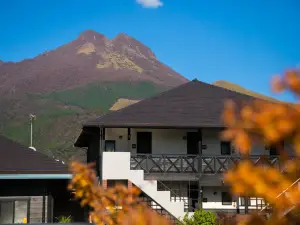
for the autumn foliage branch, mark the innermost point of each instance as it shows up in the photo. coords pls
(115, 205)
(267, 123)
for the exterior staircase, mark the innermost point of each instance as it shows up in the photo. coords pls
(116, 166)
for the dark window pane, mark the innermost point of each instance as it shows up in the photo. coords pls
(110, 146)
(274, 149)
(226, 198)
(225, 148)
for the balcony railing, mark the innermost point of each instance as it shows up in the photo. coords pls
(154, 163)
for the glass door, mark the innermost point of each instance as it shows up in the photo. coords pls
(14, 211)
(21, 211)
(6, 212)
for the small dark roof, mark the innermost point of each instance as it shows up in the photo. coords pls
(192, 105)
(17, 159)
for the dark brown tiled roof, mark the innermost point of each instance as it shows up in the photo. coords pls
(17, 159)
(194, 104)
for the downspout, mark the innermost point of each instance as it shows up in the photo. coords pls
(100, 157)
(200, 194)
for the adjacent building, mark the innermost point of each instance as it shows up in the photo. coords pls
(33, 187)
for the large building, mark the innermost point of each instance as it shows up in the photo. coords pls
(169, 146)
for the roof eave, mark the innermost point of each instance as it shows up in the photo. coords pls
(157, 126)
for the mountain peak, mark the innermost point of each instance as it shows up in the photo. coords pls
(91, 35)
(124, 42)
(123, 37)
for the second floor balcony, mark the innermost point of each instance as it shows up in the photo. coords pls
(183, 163)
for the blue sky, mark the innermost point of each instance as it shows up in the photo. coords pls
(245, 42)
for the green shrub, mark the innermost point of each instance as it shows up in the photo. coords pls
(200, 217)
(64, 219)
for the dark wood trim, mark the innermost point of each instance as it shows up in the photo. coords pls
(246, 205)
(100, 157)
(172, 176)
(128, 134)
(28, 210)
(14, 209)
(44, 209)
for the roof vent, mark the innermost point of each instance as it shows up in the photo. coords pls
(33, 148)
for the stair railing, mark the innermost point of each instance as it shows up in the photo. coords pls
(283, 192)
(181, 199)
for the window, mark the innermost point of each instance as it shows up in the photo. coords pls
(274, 149)
(14, 211)
(225, 148)
(226, 198)
(110, 146)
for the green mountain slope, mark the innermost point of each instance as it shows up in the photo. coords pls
(59, 115)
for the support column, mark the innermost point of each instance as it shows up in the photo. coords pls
(238, 205)
(246, 205)
(129, 139)
(44, 207)
(200, 198)
(100, 157)
(200, 188)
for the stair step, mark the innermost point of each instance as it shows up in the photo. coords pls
(163, 198)
(164, 195)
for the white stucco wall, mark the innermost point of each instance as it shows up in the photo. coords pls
(164, 141)
(170, 141)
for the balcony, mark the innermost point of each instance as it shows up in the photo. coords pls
(170, 163)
